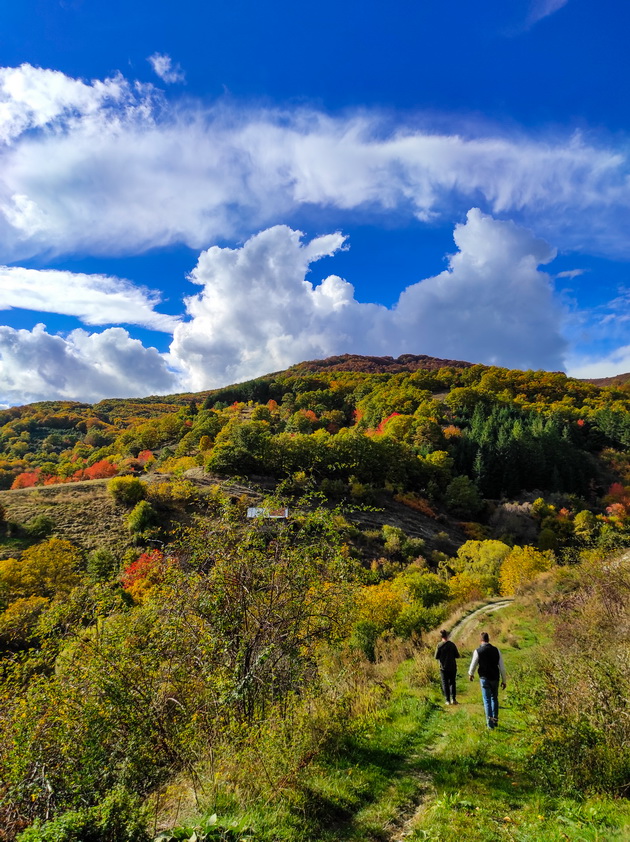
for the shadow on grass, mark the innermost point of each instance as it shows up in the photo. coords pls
(333, 815)
(476, 773)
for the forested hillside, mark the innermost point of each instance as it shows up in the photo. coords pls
(164, 655)
(454, 439)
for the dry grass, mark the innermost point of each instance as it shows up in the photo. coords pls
(82, 512)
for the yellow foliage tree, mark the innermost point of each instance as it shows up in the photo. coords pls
(47, 569)
(380, 604)
(19, 618)
(521, 566)
(467, 587)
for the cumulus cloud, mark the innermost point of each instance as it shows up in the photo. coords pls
(163, 67)
(95, 299)
(257, 312)
(36, 365)
(112, 167)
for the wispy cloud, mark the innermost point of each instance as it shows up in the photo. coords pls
(163, 67)
(95, 299)
(540, 9)
(603, 365)
(110, 167)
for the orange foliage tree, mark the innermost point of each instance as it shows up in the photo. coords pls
(144, 573)
(27, 479)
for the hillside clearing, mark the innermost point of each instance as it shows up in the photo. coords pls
(82, 512)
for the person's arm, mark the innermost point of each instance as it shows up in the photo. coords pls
(437, 652)
(457, 655)
(502, 670)
(473, 665)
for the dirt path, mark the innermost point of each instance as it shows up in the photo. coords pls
(460, 628)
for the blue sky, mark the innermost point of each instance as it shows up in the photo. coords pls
(195, 193)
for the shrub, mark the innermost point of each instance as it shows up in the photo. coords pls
(103, 469)
(426, 588)
(141, 517)
(462, 498)
(126, 490)
(102, 565)
(118, 818)
(521, 566)
(17, 622)
(46, 569)
(576, 690)
(26, 480)
(364, 637)
(416, 618)
(143, 573)
(39, 527)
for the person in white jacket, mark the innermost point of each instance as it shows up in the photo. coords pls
(488, 661)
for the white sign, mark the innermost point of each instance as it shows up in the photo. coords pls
(257, 511)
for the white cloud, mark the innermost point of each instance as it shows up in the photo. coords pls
(543, 8)
(111, 167)
(163, 67)
(95, 299)
(31, 97)
(606, 365)
(35, 365)
(257, 312)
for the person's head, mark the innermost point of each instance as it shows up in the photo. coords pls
(485, 637)
(444, 634)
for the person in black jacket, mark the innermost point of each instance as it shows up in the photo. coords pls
(489, 662)
(446, 653)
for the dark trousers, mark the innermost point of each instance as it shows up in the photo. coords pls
(448, 684)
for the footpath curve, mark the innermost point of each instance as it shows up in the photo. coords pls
(488, 608)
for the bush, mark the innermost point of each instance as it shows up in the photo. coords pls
(102, 565)
(141, 517)
(126, 490)
(576, 690)
(462, 498)
(364, 637)
(39, 527)
(118, 818)
(47, 569)
(415, 619)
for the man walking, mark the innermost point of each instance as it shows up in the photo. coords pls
(447, 653)
(489, 661)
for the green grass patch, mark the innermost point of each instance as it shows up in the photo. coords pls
(362, 787)
(483, 792)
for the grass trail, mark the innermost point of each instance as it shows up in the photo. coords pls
(427, 771)
(421, 770)
(481, 789)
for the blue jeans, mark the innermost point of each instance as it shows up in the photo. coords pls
(490, 696)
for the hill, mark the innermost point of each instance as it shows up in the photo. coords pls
(145, 616)
(617, 380)
(451, 441)
(378, 365)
